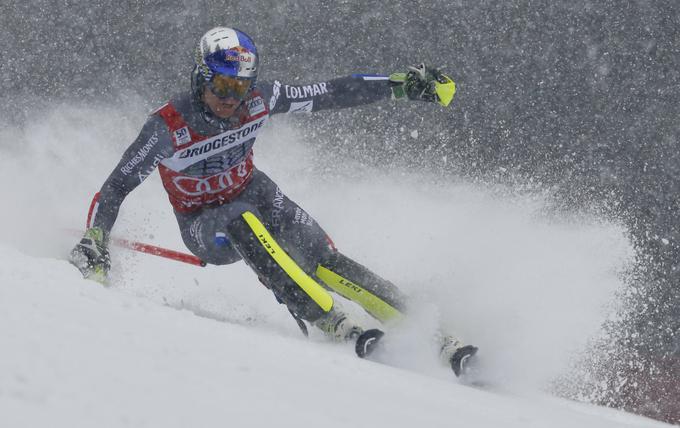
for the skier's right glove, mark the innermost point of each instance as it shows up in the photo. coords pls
(91, 256)
(423, 83)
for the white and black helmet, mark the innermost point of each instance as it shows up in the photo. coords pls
(224, 51)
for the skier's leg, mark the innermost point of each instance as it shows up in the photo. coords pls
(284, 245)
(204, 234)
(309, 245)
(294, 287)
(379, 297)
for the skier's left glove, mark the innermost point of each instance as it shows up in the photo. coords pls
(424, 84)
(91, 256)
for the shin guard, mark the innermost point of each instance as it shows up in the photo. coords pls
(380, 298)
(292, 285)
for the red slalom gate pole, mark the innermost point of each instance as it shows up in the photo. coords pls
(151, 249)
(158, 251)
(141, 247)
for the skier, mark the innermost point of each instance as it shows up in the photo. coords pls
(228, 210)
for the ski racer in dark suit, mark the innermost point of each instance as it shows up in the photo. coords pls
(201, 142)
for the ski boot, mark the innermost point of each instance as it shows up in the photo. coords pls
(341, 328)
(337, 325)
(457, 355)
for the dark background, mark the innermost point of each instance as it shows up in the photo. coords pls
(576, 97)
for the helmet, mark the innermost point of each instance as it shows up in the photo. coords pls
(226, 61)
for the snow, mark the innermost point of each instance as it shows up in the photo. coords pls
(76, 354)
(174, 345)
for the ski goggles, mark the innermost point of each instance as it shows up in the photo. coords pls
(226, 86)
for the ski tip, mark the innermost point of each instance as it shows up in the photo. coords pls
(367, 342)
(463, 361)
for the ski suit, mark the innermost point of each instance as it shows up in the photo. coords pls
(228, 210)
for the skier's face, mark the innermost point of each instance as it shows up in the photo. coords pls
(221, 107)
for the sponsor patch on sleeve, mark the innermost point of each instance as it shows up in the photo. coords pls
(301, 107)
(276, 91)
(307, 91)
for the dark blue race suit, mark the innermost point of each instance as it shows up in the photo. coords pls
(215, 231)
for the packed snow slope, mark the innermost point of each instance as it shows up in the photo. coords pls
(78, 355)
(173, 345)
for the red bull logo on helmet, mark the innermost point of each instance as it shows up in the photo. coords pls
(239, 54)
(236, 62)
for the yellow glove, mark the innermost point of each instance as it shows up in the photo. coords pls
(91, 256)
(423, 84)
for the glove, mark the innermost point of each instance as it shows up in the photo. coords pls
(424, 84)
(91, 256)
